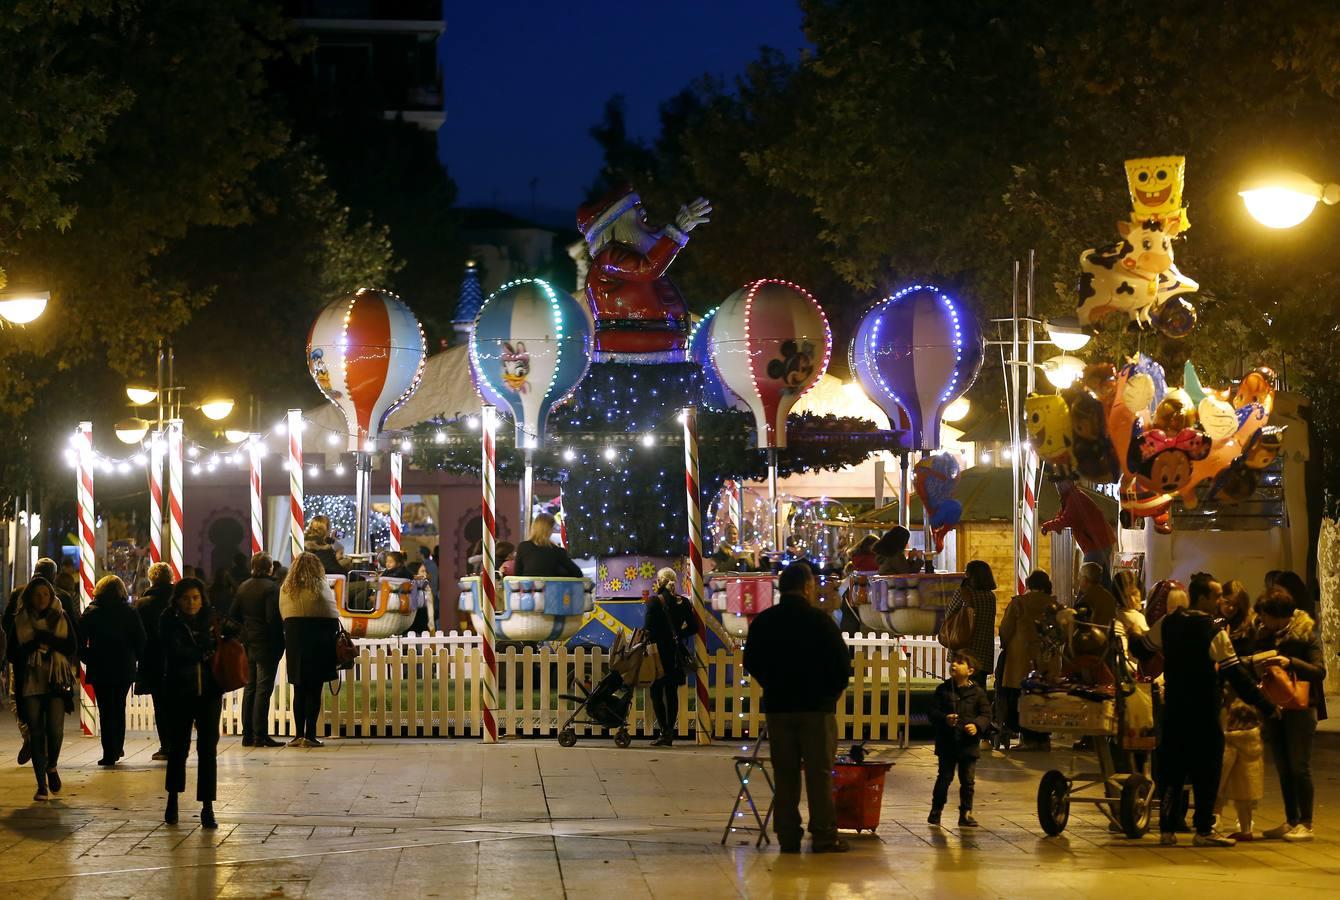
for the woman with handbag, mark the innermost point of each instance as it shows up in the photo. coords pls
(669, 620)
(1298, 664)
(311, 628)
(113, 639)
(974, 604)
(44, 677)
(190, 632)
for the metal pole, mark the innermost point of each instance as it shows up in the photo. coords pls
(362, 502)
(774, 502)
(1032, 470)
(527, 490)
(905, 493)
(1014, 420)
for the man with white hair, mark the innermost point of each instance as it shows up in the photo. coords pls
(1093, 602)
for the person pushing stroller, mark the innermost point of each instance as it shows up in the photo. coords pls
(961, 715)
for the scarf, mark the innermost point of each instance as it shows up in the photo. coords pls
(48, 671)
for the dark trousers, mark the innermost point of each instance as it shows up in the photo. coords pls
(45, 714)
(665, 704)
(805, 740)
(306, 708)
(162, 718)
(967, 781)
(263, 666)
(1192, 749)
(1290, 738)
(111, 699)
(202, 713)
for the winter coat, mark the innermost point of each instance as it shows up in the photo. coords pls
(1019, 634)
(1300, 641)
(1100, 603)
(256, 607)
(188, 644)
(669, 620)
(113, 641)
(311, 622)
(539, 562)
(151, 607)
(970, 703)
(982, 643)
(796, 652)
(324, 549)
(48, 641)
(1245, 779)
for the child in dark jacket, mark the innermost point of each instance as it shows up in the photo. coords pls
(960, 713)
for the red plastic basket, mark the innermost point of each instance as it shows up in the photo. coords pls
(858, 791)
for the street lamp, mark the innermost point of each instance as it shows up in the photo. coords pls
(19, 307)
(217, 408)
(1284, 200)
(1066, 333)
(131, 431)
(141, 395)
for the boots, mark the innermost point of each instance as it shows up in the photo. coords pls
(207, 816)
(170, 814)
(965, 819)
(934, 817)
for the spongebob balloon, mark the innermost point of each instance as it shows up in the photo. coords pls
(1047, 418)
(1156, 188)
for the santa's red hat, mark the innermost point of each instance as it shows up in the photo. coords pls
(596, 216)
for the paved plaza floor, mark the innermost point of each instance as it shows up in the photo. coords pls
(371, 818)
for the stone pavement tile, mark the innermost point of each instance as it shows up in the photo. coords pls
(594, 877)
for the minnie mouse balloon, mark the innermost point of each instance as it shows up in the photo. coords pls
(919, 352)
(770, 343)
(366, 353)
(529, 348)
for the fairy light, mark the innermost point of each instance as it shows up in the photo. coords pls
(333, 439)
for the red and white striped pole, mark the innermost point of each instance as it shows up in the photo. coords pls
(295, 498)
(156, 497)
(397, 498)
(695, 519)
(88, 710)
(734, 511)
(1025, 558)
(254, 449)
(175, 462)
(488, 586)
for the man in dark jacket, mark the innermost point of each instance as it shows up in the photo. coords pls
(113, 638)
(797, 654)
(960, 713)
(256, 607)
(1197, 653)
(151, 606)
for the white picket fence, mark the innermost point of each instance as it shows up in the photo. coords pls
(429, 686)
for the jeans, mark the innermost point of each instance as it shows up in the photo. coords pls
(665, 704)
(1290, 738)
(967, 781)
(306, 708)
(202, 713)
(45, 714)
(803, 740)
(263, 666)
(1192, 748)
(111, 699)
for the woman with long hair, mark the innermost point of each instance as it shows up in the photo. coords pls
(539, 557)
(113, 642)
(43, 656)
(311, 623)
(669, 620)
(978, 593)
(1235, 608)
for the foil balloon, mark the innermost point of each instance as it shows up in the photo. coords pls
(366, 353)
(770, 343)
(529, 349)
(934, 479)
(918, 352)
(715, 394)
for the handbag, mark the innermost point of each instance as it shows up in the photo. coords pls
(346, 651)
(229, 664)
(1284, 689)
(956, 632)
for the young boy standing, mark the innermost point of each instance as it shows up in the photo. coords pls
(960, 713)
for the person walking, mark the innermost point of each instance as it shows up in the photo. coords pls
(44, 677)
(1197, 653)
(311, 623)
(256, 608)
(190, 633)
(978, 593)
(1292, 635)
(669, 620)
(1022, 646)
(796, 653)
(151, 606)
(113, 641)
(960, 714)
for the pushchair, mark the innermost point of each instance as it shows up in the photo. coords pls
(606, 705)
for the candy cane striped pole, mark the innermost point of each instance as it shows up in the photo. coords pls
(695, 518)
(295, 499)
(174, 448)
(1026, 555)
(156, 497)
(488, 586)
(397, 498)
(88, 710)
(257, 500)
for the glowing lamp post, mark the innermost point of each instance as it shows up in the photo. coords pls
(1285, 200)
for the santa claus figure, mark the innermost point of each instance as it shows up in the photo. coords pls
(640, 314)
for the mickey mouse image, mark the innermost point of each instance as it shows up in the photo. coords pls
(795, 366)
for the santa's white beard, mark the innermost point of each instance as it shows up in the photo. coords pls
(628, 229)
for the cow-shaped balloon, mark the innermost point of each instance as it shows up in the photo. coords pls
(1136, 276)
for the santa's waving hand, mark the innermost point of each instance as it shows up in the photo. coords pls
(691, 215)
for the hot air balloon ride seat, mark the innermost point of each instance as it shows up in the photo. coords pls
(902, 604)
(739, 596)
(532, 610)
(374, 606)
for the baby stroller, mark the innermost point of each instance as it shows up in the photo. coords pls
(607, 704)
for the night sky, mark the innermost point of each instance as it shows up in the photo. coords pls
(525, 81)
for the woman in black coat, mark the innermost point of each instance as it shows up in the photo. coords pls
(190, 631)
(669, 620)
(113, 640)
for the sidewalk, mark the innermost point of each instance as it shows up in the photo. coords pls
(530, 819)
